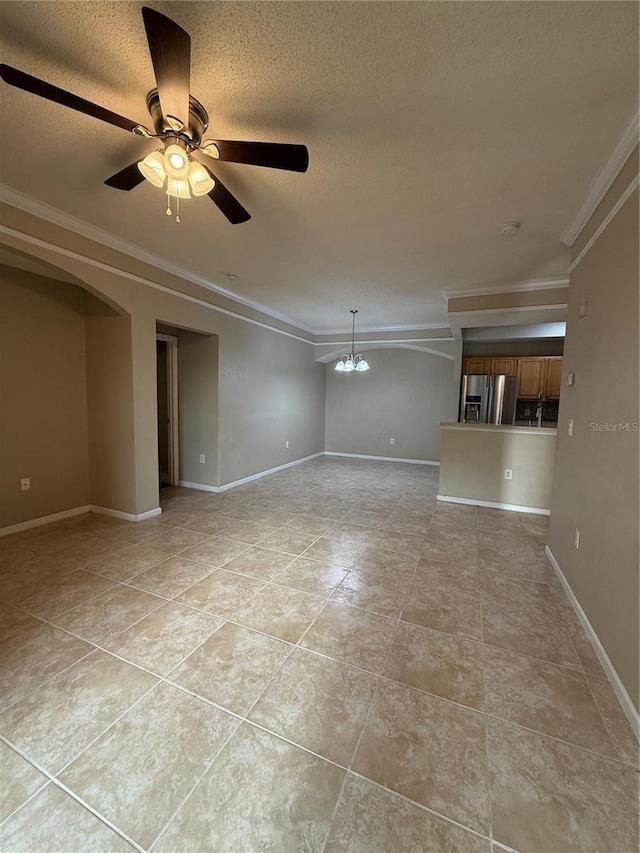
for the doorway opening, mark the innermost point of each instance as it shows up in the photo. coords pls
(167, 394)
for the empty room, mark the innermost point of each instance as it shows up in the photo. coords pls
(319, 420)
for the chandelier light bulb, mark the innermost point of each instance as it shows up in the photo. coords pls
(176, 162)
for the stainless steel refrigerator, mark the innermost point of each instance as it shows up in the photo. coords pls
(488, 399)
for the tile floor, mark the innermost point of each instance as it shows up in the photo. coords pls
(323, 660)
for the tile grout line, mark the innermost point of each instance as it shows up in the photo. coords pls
(377, 675)
(46, 680)
(424, 808)
(320, 654)
(485, 722)
(243, 719)
(364, 722)
(381, 676)
(56, 782)
(191, 790)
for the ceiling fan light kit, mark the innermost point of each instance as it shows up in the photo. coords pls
(170, 104)
(152, 168)
(352, 361)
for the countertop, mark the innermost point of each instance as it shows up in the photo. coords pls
(522, 430)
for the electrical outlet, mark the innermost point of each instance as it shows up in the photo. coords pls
(202, 458)
(392, 441)
(577, 538)
(570, 430)
(25, 484)
(286, 445)
(508, 474)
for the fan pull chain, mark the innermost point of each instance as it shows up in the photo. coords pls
(168, 211)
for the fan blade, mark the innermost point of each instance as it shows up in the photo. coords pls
(126, 179)
(227, 203)
(274, 155)
(52, 93)
(170, 48)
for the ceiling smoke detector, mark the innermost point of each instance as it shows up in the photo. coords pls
(509, 227)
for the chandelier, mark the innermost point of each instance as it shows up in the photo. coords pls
(352, 361)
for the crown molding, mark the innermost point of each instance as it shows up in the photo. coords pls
(364, 344)
(330, 356)
(603, 180)
(605, 222)
(511, 309)
(35, 241)
(28, 204)
(507, 287)
(418, 327)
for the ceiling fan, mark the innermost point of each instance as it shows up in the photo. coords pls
(179, 122)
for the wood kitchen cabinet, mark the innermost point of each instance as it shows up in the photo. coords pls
(489, 365)
(503, 365)
(532, 376)
(476, 365)
(539, 376)
(536, 374)
(554, 379)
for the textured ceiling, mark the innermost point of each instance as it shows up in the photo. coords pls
(429, 124)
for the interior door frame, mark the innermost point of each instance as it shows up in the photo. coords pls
(172, 389)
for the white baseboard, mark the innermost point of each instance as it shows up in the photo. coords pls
(199, 486)
(534, 510)
(126, 516)
(260, 474)
(630, 710)
(381, 458)
(225, 488)
(44, 519)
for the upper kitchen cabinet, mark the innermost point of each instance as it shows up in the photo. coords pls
(476, 366)
(503, 365)
(537, 375)
(532, 375)
(554, 379)
(490, 366)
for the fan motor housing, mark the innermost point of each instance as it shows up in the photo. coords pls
(198, 118)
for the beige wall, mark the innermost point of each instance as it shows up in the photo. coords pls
(43, 425)
(404, 395)
(110, 416)
(198, 407)
(617, 188)
(474, 458)
(541, 346)
(596, 479)
(509, 299)
(270, 389)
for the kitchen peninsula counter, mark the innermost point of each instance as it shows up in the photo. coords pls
(474, 458)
